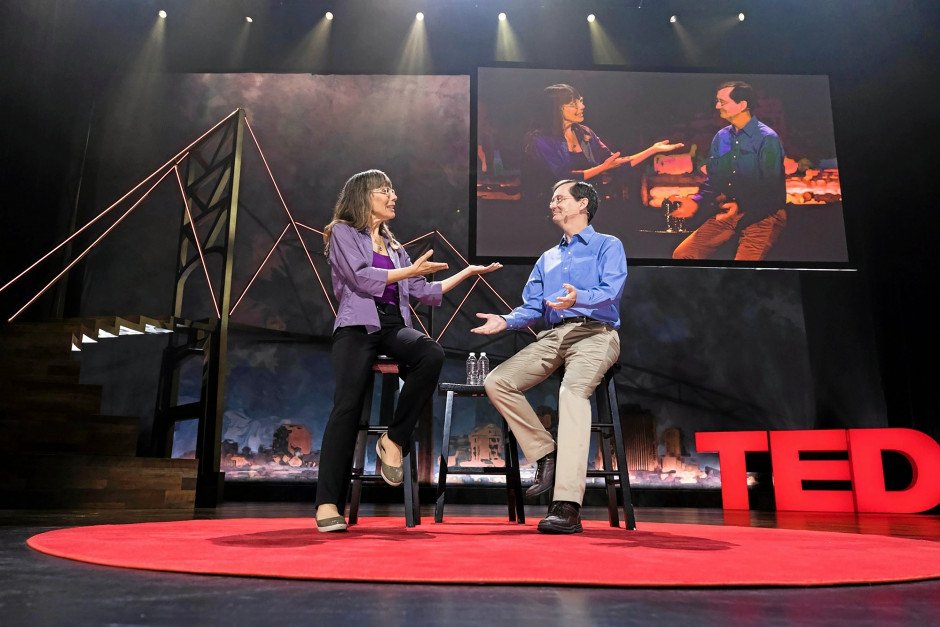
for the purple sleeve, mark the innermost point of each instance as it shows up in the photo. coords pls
(418, 287)
(347, 258)
(546, 151)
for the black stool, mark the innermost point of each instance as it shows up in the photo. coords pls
(514, 494)
(388, 369)
(607, 426)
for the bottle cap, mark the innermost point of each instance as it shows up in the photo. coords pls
(482, 354)
(472, 354)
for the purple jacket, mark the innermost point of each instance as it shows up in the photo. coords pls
(357, 283)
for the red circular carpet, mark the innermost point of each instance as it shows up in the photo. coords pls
(494, 551)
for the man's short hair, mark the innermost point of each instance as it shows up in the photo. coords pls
(739, 91)
(580, 190)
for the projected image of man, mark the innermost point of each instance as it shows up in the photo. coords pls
(575, 290)
(745, 186)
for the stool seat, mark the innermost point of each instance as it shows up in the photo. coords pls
(514, 495)
(385, 365)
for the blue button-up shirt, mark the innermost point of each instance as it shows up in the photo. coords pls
(594, 263)
(746, 166)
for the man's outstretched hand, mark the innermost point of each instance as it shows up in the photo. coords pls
(494, 324)
(564, 302)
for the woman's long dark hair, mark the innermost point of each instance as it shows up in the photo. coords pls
(353, 207)
(546, 119)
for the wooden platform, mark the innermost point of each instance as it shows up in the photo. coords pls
(59, 451)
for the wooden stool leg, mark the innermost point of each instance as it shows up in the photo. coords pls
(445, 455)
(513, 478)
(359, 455)
(628, 514)
(409, 489)
(604, 417)
(612, 516)
(510, 485)
(415, 496)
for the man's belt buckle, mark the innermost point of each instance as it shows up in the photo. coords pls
(574, 319)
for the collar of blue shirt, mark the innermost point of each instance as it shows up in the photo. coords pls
(584, 235)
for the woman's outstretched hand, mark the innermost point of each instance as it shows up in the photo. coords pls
(665, 146)
(423, 266)
(475, 270)
(613, 161)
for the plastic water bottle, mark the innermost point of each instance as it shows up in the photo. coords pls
(483, 368)
(472, 369)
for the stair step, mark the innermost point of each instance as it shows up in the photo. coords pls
(59, 370)
(50, 326)
(57, 481)
(51, 339)
(23, 396)
(43, 354)
(64, 432)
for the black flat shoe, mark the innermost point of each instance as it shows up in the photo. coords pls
(563, 517)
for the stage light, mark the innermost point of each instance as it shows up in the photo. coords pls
(507, 45)
(673, 19)
(591, 17)
(419, 16)
(162, 14)
(248, 19)
(740, 17)
(329, 15)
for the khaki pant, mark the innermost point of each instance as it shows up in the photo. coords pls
(755, 241)
(587, 350)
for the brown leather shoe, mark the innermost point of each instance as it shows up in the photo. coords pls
(544, 476)
(563, 517)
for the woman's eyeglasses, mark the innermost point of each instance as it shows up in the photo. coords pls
(388, 191)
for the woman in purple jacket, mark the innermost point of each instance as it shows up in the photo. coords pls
(560, 146)
(373, 279)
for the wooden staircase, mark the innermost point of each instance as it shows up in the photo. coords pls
(58, 451)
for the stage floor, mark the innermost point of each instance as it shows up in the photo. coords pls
(39, 589)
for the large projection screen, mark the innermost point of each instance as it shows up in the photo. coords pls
(628, 112)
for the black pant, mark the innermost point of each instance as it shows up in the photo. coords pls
(354, 353)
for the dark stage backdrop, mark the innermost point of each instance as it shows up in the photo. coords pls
(723, 349)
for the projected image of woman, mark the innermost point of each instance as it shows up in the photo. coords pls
(373, 280)
(560, 146)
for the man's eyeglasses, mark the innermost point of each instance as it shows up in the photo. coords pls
(388, 191)
(553, 204)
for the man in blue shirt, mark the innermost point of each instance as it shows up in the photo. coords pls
(574, 289)
(746, 185)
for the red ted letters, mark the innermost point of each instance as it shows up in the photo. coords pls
(863, 468)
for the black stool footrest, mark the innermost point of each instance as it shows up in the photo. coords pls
(462, 388)
(479, 471)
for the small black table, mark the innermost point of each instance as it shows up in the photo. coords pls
(514, 493)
